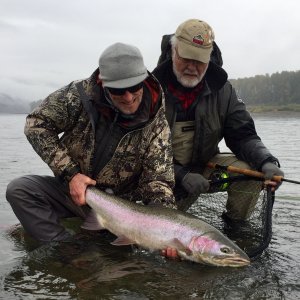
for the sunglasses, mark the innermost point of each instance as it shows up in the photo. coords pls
(120, 92)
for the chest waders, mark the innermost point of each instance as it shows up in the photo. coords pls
(183, 139)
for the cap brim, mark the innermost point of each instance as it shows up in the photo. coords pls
(192, 52)
(124, 83)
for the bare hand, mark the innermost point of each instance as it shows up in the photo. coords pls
(77, 186)
(274, 185)
(170, 253)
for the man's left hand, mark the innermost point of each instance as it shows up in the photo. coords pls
(269, 169)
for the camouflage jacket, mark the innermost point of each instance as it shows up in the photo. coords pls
(64, 128)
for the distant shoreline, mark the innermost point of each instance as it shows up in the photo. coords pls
(275, 109)
(284, 110)
(13, 113)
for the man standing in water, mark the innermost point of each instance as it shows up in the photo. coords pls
(202, 108)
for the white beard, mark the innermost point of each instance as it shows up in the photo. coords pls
(187, 81)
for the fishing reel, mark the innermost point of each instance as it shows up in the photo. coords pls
(218, 181)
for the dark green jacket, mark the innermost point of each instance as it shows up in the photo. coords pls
(218, 114)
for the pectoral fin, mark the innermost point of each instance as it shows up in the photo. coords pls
(91, 222)
(177, 244)
(122, 241)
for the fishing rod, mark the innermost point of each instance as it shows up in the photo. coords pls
(219, 184)
(234, 179)
(248, 172)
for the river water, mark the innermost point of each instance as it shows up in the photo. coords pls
(98, 270)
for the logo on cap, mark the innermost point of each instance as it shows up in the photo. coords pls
(198, 39)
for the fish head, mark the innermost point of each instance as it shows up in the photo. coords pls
(215, 249)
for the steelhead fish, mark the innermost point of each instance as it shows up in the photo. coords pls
(156, 228)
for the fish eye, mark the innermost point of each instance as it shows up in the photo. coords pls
(225, 250)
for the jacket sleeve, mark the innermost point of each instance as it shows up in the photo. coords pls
(55, 115)
(240, 133)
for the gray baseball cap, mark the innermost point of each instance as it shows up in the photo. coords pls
(121, 66)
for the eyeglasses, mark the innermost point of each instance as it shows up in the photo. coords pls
(120, 92)
(187, 60)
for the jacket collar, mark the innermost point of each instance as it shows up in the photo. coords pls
(95, 102)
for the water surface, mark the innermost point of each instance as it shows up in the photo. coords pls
(94, 269)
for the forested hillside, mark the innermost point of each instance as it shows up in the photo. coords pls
(12, 105)
(276, 89)
(279, 91)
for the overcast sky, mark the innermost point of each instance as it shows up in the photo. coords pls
(45, 44)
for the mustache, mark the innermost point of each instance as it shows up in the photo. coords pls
(190, 73)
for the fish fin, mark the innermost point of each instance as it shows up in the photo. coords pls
(109, 191)
(177, 244)
(122, 241)
(91, 222)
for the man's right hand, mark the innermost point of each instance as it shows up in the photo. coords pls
(170, 253)
(77, 186)
(195, 183)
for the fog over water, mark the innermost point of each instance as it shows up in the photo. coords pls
(47, 44)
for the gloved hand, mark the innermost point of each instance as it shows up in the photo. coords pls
(195, 183)
(270, 169)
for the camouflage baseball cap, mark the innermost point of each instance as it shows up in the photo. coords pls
(195, 40)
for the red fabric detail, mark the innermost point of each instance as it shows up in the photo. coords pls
(154, 94)
(185, 96)
(99, 81)
(197, 41)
